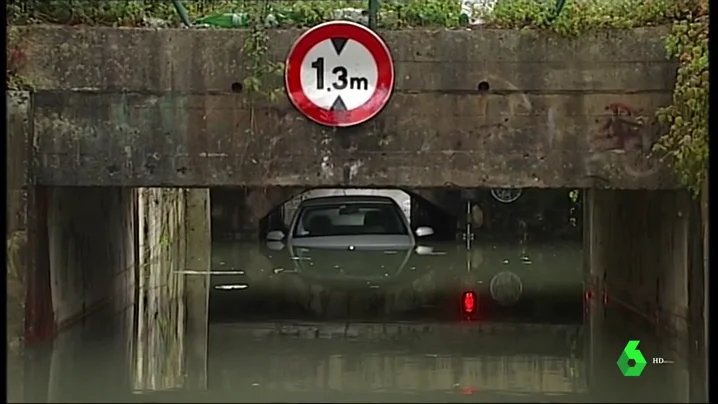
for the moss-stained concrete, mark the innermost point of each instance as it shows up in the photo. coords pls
(160, 347)
(147, 107)
(18, 148)
(174, 242)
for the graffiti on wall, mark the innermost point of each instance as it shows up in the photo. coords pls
(625, 130)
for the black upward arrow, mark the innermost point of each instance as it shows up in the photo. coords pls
(338, 105)
(339, 44)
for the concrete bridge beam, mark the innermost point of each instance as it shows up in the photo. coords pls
(559, 112)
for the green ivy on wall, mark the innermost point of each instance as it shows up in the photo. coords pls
(687, 139)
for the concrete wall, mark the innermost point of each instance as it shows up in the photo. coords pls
(91, 361)
(91, 248)
(608, 330)
(705, 215)
(645, 251)
(238, 213)
(146, 107)
(175, 247)
(73, 251)
(641, 250)
(19, 231)
(89, 259)
(163, 343)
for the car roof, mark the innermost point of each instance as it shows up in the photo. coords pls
(341, 199)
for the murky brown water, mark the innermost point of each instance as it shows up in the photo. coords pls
(282, 330)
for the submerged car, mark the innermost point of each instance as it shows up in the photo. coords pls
(350, 222)
(344, 239)
(358, 258)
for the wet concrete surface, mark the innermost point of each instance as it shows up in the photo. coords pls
(277, 336)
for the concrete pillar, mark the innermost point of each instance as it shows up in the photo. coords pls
(175, 246)
(199, 254)
(19, 231)
(704, 350)
(706, 277)
(609, 331)
(159, 345)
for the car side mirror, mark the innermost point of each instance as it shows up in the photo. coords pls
(275, 235)
(424, 231)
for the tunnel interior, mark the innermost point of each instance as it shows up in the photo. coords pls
(497, 260)
(502, 276)
(492, 213)
(474, 266)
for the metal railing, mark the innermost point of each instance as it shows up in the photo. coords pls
(62, 9)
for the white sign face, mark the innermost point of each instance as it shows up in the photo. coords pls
(339, 74)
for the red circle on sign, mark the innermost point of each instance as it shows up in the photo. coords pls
(340, 29)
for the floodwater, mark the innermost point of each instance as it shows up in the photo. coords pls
(494, 322)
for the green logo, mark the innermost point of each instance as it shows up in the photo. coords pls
(631, 352)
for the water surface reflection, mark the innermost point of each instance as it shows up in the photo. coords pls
(285, 337)
(536, 283)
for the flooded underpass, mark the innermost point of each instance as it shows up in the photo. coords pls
(172, 235)
(495, 308)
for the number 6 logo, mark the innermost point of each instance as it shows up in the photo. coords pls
(631, 352)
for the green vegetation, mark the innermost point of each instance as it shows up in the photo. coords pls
(14, 58)
(576, 16)
(686, 141)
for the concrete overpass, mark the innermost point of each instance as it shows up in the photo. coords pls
(113, 110)
(144, 107)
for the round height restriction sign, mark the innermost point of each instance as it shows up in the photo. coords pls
(339, 74)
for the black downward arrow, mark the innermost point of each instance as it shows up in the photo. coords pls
(339, 44)
(338, 105)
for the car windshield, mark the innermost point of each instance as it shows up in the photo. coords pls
(350, 219)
